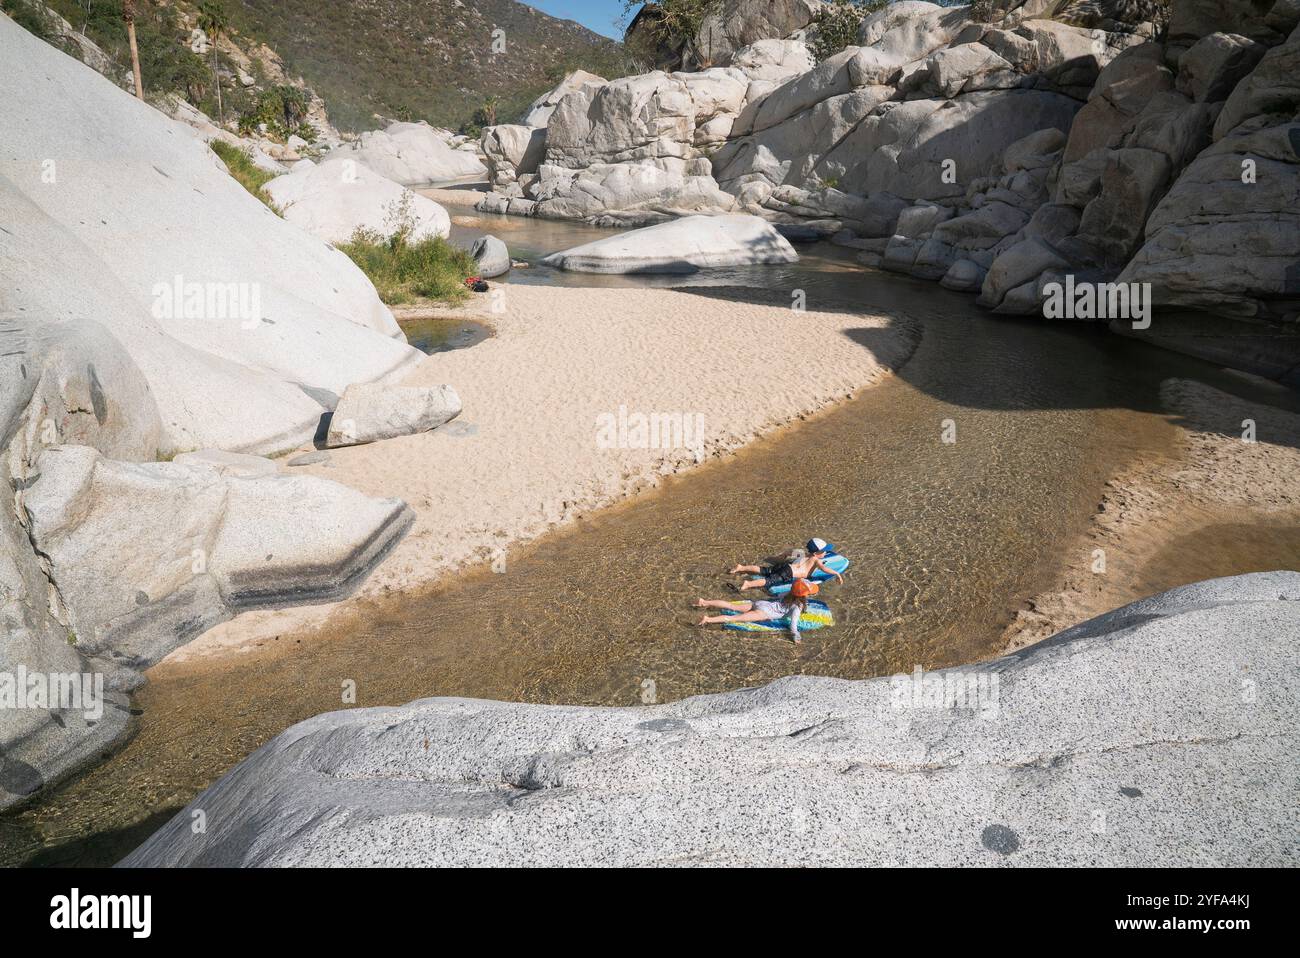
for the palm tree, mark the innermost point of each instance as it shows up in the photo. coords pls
(128, 14)
(213, 22)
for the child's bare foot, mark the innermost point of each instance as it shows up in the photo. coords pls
(734, 570)
(700, 604)
(703, 621)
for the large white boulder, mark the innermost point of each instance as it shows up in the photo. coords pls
(216, 544)
(627, 194)
(1215, 242)
(648, 116)
(244, 327)
(682, 246)
(912, 143)
(60, 382)
(773, 60)
(334, 199)
(789, 151)
(512, 150)
(413, 154)
(491, 256)
(539, 113)
(910, 29)
(1136, 718)
(369, 412)
(106, 564)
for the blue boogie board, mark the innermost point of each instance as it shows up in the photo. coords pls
(816, 616)
(833, 561)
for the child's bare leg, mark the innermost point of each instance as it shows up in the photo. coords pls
(737, 569)
(752, 584)
(753, 615)
(739, 606)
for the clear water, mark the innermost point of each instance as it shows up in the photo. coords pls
(947, 541)
(434, 335)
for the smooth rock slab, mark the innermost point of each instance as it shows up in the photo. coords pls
(336, 198)
(1150, 698)
(686, 245)
(145, 556)
(232, 315)
(234, 464)
(411, 154)
(369, 412)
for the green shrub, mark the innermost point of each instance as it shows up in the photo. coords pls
(249, 175)
(282, 110)
(836, 26)
(33, 18)
(402, 269)
(669, 25)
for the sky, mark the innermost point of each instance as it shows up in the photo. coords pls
(599, 15)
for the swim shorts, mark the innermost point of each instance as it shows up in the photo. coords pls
(778, 574)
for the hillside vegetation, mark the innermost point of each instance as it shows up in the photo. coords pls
(435, 60)
(424, 59)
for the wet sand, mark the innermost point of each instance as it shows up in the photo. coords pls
(584, 397)
(1222, 502)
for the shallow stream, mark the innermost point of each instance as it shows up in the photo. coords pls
(947, 541)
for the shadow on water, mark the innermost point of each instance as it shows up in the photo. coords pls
(947, 540)
(1003, 379)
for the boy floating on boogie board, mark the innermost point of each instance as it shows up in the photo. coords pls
(792, 565)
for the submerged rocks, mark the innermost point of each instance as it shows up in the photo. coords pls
(682, 246)
(1004, 761)
(369, 412)
(335, 199)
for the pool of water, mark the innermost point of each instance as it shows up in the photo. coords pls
(947, 540)
(439, 335)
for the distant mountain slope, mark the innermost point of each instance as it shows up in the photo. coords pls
(422, 59)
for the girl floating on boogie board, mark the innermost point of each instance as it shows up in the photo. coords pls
(792, 604)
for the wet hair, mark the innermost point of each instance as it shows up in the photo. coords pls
(790, 600)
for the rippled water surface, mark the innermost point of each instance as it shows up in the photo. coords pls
(946, 539)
